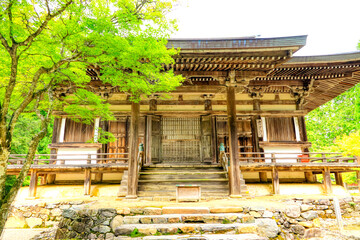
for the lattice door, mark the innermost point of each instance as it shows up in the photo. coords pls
(180, 140)
(119, 130)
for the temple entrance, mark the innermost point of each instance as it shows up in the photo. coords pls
(181, 140)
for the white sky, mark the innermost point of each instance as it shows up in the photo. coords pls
(332, 26)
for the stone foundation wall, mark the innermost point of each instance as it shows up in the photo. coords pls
(300, 218)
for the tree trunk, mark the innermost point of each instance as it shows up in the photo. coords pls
(7, 200)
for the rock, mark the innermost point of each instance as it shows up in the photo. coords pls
(42, 204)
(92, 236)
(293, 211)
(255, 214)
(167, 230)
(173, 219)
(267, 214)
(107, 212)
(310, 215)
(62, 207)
(192, 218)
(313, 233)
(306, 224)
(109, 236)
(148, 230)
(185, 210)
(51, 223)
(247, 219)
(306, 207)
(267, 227)
(78, 202)
(78, 227)
(230, 217)
(145, 220)
(101, 229)
(226, 210)
(328, 211)
(16, 222)
(28, 214)
(187, 228)
(117, 221)
(322, 207)
(69, 213)
(297, 229)
(137, 211)
(124, 230)
(152, 211)
(324, 202)
(246, 228)
(159, 220)
(34, 222)
(131, 219)
(216, 228)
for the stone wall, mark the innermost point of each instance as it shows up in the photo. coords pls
(300, 218)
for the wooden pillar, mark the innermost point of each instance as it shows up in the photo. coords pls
(275, 181)
(263, 177)
(339, 179)
(133, 149)
(33, 183)
(309, 177)
(327, 180)
(87, 182)
(234, 170)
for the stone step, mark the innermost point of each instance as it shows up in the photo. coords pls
(161, 165)
(186, 180)
(189, 218)
(172, 187)
(195, 177)
(171, 183)
(247, 236)
(185, 228)
(173, 193)
(181, 172)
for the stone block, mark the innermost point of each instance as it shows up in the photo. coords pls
(192, 218)
(107, 212)
(116, 222)
(297, 229)
(226, 209)
(168, 230)
(159, 220)
(131, 219)
(78, 227)
(293, 211)
(34, 222)
(187, 228)
(109, 236)
(306, 224)
(152, 211)
(255, 214)
(101, 229)
(310, 215)
(246, 228)
(173, 219)
(267, 214)
(148, 231)
(145, 220)
(185, 210)
(247, 219)
(306, 207)
(124, 230)
(313, 233)
(69, 213)
(267, 227)
(16, 222)
(214, 218)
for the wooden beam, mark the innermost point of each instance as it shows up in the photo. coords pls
(234, 170)
(327, 180)
(87, 182)
(339, 179)
(33, 183)
(152, 104)
(51, 178)
(133, 149)
(263, 177)
(275, 181)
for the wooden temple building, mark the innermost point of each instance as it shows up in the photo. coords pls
(238, 118)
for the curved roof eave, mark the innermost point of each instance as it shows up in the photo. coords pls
(331, 58)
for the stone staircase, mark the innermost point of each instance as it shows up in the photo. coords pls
(158, 182)
(187, 223)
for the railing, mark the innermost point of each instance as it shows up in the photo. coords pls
(140, 158)
(71, 159)
(305, 157)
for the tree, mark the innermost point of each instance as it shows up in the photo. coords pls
(45, 43)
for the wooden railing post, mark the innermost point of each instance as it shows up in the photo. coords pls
(36, 160)
(358, 171)
(327, 180)
(33, 183)
(87, 182)
(275, 181)
(323, 158)
(88, 159)
(339, 179)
